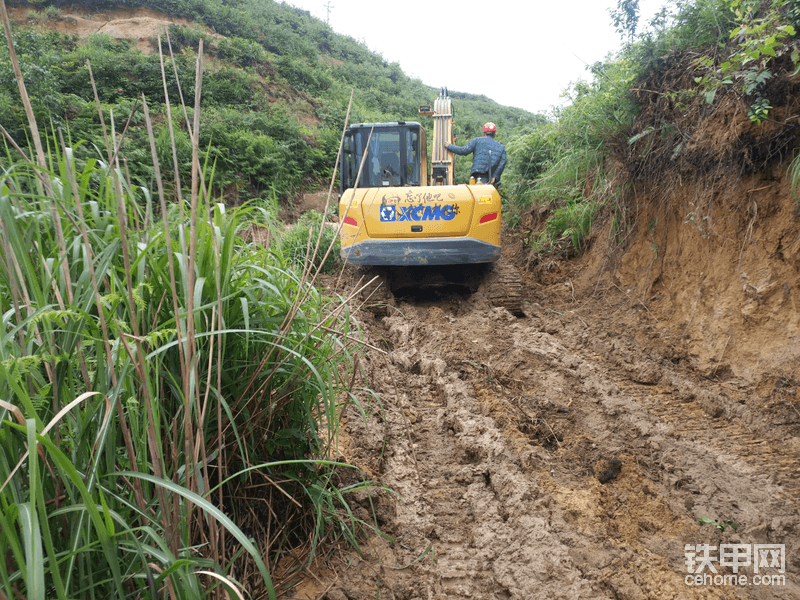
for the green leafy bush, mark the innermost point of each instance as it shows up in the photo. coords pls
(758, 37)
(184, 36)
(245, 53)
(302, 75)
(229, 87)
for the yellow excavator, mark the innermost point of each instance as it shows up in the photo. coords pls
(413, 230)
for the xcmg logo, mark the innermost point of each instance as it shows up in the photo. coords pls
(418, 212)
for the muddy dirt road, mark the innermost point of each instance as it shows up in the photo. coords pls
(566, 453)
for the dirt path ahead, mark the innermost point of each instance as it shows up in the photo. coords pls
(568, 453)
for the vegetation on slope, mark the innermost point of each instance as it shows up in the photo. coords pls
(641, 116)
(169, 394)
(276, 93)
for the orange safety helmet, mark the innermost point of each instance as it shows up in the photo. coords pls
(490, 128)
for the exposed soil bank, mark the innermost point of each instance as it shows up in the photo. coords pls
(141, 25)
(723, 278)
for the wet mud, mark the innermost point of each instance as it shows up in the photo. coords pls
(572, 451)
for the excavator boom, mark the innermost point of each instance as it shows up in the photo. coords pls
(441, 158)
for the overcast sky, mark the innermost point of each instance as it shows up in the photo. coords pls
(518, 53)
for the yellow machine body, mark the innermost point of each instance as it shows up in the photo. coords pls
(393, 214)
(426, 225)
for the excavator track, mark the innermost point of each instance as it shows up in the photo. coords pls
(375, 293)
(499, 284)
(503, 287)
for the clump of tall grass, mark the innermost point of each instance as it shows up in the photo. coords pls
(169, 392)
(572, 222)
(562, 164)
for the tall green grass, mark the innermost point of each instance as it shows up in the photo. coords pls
(168, 393)
(572, 222)
(563, 163)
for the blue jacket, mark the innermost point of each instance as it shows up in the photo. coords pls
(489, 155)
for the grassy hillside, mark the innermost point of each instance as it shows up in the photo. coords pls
(275, 95)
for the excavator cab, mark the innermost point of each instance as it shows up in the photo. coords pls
(396, 155)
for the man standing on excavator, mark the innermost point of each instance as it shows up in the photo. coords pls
(489, 156)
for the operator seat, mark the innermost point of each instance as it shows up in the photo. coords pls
(390, 162)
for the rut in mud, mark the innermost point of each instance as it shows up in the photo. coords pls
(567, 453)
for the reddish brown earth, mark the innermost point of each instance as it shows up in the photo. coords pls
(141, 25)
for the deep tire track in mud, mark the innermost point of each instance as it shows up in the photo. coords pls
(561, 455)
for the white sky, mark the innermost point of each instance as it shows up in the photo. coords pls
(519, 53)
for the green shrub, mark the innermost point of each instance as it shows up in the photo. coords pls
(230, 87)
(51, 12)
(698, 23)
(302, 75)
(296, 244)
(245, 53)
(183, 36)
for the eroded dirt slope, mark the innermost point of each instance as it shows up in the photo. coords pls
(140, 24)
(568, 453)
